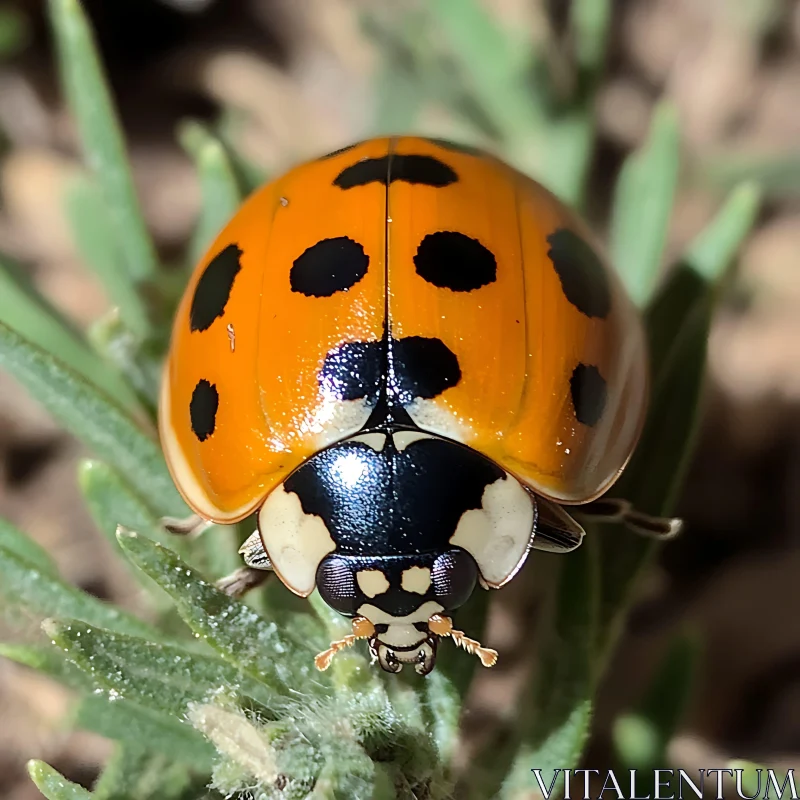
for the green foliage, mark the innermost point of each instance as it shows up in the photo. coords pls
(210, 691)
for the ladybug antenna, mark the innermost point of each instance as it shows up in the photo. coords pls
(362, 629)
(443, 626)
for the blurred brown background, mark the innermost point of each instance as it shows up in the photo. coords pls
(297, 77)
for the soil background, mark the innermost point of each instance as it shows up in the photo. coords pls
(299, 77)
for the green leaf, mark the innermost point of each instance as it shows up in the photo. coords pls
(53, 785)
(140, 363)
(89, 98)
(160, 676)
(678, 320)
(20, 544)
(218, 185)
(49, 661)
(643, 201)
(492, 65)
(778, 174)
(88, 216)
(136, 773)
(24, 585)
(112, 502)
(158, 732)
(31, 315)
(231, 628)
(590, 21)
(559, 717)
(93, 418)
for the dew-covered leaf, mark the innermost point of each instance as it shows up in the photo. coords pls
(24, 585)
(239, 634)
(160, 676)
(53, 785)
(49, 661)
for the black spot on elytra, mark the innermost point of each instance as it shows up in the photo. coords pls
(329, 266)
(203, 409)
(452, 260)
(338, 152)
(425, 170)
(583, 276)
(420, 368)
(588, 389)
(353, 370)
(213, 290)
(457, 147)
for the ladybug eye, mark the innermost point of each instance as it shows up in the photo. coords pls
(337, 585)
(454, 575)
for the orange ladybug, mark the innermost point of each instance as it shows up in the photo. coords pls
(406, 357)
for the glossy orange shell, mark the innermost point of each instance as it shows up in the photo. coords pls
(520, 342)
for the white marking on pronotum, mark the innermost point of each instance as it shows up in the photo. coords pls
(403, 439)
(284, 201)
(498, 534)
(232, 336)
(376, 441)
(295, 541)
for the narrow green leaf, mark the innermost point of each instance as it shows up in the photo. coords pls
(93, 418)
(643, 201)
(49, 661)
(561, 711)
(88, 216)
(159, 676)
(590, 21)
(101, 137)
(24, 585)
(778, 174)
(678, 320)
(31, 315)
(135, 773)
(713, 250)
(492, 64)
(219, 187)
(140, 363)
(53, 785)
(156, 731)
(231, 628)
(20, 544)
(112, 502)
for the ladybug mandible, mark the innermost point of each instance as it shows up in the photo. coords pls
(406, 357)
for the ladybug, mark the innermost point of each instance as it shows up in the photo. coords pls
(407, 358)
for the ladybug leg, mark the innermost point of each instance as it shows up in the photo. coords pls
(614, 509)
(443, 626)
(362, 629)
(191, 526)
(257, 569)
(241, 581)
